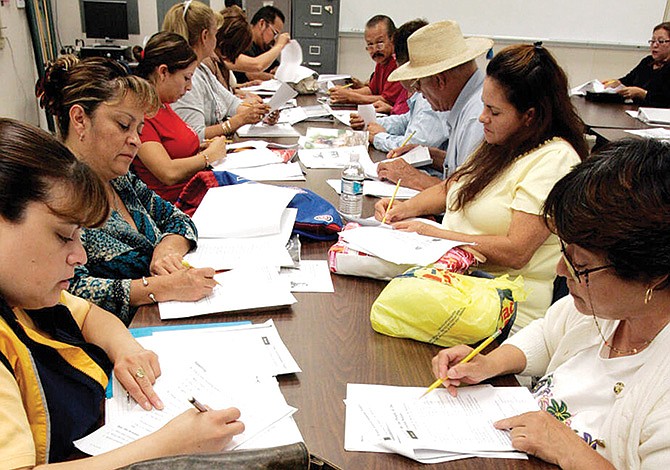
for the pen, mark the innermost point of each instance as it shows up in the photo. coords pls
(198, 406)
(345, 86)
(397, 185)
(209, 141)
(188, 265)
(467, 358)
(407, 139)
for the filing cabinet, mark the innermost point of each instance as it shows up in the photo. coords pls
(316, 27)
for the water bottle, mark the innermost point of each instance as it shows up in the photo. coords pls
(351, 196)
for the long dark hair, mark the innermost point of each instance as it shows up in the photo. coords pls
(163, 48)
(531, 78)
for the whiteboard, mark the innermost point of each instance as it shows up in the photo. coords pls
(608, 22)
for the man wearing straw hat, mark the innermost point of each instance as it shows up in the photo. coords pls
(442, 67)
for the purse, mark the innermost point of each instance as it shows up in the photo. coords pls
(288, 457)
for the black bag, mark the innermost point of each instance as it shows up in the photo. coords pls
(289, 457)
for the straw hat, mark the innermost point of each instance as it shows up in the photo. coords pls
(438, 47)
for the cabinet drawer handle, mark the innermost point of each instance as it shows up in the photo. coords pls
(314, 64)
(314, 50)
(315, 25)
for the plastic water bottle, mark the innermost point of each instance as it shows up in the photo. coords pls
(351, 197)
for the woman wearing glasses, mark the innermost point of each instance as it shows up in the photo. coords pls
(603, 352)
(649, 82)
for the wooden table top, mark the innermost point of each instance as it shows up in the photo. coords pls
(606, 115)
(330, 336)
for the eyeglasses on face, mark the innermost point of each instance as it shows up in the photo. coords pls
(378, 46)
(660, 42)
(415, 84)
(577, 274)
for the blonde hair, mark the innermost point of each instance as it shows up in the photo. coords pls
(190, 19)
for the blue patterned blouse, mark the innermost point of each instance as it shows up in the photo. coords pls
(117, 253)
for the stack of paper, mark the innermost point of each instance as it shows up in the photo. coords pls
(659, 133)
(376, 188)
(659, 116)
(336, 157)
(435, 428)
(257, 396)
(263, 130)
(397, 246)
(418, 156)
(594, 86)
(324, 138)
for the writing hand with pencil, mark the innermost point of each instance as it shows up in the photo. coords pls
(390, 213)
(250, 113)
(342, 94)
(214, 149)
(464, 365)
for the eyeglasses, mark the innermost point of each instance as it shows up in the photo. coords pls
(274, 32)
(577, 274)
(660, 42)
(415, 84)
(378, 46)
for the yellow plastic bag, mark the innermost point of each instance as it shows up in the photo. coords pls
(439, 307)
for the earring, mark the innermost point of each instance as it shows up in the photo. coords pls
(648, 295)
(81, 137)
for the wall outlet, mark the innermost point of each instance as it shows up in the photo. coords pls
(20, 3)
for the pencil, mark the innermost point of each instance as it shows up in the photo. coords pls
(467, 358)
(188, 265)
(344, 86)
(395, 191)
(407, 139)
(198, 406)
(209, 141)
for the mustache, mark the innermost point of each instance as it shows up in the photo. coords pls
(377, 54)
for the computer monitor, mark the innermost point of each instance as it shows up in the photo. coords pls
(105, 19)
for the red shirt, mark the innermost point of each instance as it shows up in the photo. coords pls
(179, 140)
(393, 92)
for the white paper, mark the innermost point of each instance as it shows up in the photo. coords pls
(259, 399)
(247, 159)
(659, 116)
(594, 86)
(397, 246)
(247, 144)
(311, 276)
(378, 189)
(263, 130)
(268, 85)
(276, 172)
(337, 157)
(326, 77)
(343, 116)
(292, 115)
(242, 210)
(283, 432)
(289, 69)
(437, 427)
(230, 253)
(240, 289)
(281, 97)
(652, 133)
(367, 113)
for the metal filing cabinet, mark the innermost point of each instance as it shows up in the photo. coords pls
(315, 26)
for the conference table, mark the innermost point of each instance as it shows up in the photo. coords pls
(330, 336)
(606, 115)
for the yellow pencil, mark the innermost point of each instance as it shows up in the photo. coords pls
(343, 87)
(467, 358)
(397, 185)
(188, 265)
(407, 139)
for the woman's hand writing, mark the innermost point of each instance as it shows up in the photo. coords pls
(446, 365)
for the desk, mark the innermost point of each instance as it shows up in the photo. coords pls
(606, 134)
(331, 339)
(606, 115)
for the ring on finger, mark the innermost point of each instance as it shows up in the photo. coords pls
(139, 373)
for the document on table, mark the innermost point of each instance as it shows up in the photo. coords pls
(652, 133)
(230, 253)
(268, 85)
(258, 397)
(283, 94)
(310, 276)
(247, 159)
(242, 210)
(240, 289)
(378, 189)
(263, 130)
(594, 86)
(654, 116)
(418, 156)
(398, 247)
(277, 172)
(337, 157)
(437, 427)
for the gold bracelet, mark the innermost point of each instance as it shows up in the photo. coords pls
(151, 295)
(204, 155)
(227, 127)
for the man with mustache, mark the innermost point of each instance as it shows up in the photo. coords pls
(385, 95)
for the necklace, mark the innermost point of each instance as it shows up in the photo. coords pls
(622, 352)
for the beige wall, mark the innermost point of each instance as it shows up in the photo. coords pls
(18, 75)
